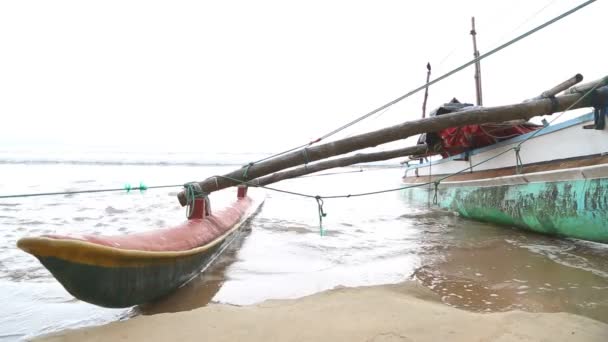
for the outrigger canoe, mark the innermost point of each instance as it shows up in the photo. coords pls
(123, 271)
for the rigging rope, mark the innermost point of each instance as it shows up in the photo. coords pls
(438, 79)
(322, 214)
(194, 191)
(319, 198)
(142, 187)
(430, 182)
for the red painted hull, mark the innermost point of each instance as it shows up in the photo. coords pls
(188, 235)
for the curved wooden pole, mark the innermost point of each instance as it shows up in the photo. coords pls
(404, 130)
(341, 162)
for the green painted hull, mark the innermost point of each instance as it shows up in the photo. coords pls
(576, 208)
(120, 287)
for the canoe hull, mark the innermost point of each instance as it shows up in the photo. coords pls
(124, 286)
(109, 275)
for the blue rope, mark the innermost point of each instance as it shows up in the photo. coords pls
(193, 191)
(246, 171)
(322, 214)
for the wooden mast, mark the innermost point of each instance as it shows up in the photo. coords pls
(477, 64)
(404, 130)
(426, 89)
(426, 95)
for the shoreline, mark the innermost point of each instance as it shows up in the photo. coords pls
(402, 312)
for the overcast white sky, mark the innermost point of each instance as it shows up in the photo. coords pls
(265, 75)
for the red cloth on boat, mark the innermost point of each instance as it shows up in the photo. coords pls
(457, 140)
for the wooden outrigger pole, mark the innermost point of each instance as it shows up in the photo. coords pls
(341, 162)
(521, 111)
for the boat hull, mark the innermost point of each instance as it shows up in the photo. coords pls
(124, 286)
(571, 208)
(560, 186)
(112, 275)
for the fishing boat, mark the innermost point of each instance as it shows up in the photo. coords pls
(123, 271)
(550, 178)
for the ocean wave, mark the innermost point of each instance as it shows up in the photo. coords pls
(155, 158)
(121, 162)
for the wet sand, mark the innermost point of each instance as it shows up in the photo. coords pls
(404, 312)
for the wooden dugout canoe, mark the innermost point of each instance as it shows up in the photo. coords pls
(122, 271)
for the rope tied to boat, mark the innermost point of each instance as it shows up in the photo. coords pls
(436, 185)
(322, 214)
(193, 191)
(246, 171)
(519, 165)
(306, 160)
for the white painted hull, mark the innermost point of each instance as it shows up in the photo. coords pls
(562, 141)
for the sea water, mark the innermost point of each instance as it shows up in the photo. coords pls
(369, 240)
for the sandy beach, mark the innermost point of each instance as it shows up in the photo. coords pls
(403, 312)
